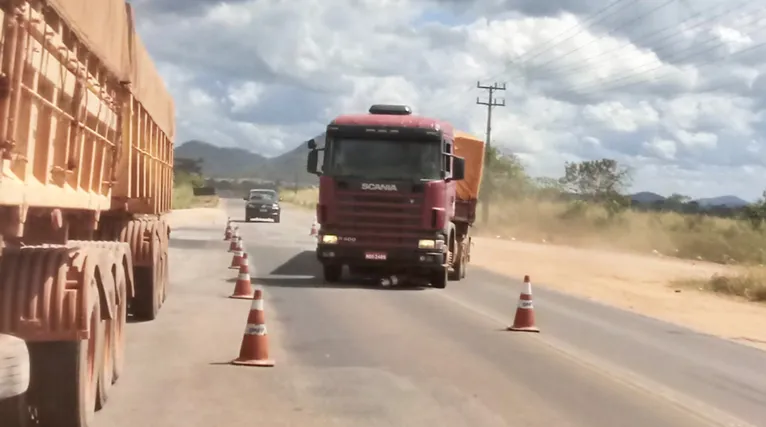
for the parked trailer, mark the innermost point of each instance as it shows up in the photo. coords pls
(86, 155)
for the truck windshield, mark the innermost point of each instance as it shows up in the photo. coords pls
(384, 159)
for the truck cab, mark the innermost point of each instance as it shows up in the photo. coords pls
(387, 195)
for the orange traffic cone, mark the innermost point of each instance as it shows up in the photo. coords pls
(236, 259)
(234, 240)
(254, 350)
(243, 288)
(314, 231)
(227, 233)
(524, 321)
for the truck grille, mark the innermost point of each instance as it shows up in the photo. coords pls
(379, 220)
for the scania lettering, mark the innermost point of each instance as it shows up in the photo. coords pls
(404, 186)
(380, 187)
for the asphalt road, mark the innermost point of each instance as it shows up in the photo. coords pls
(359, 355)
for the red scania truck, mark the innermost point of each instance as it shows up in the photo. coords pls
(397, 195)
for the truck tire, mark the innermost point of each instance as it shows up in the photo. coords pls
(439, 278)
(276, 219)
(458, 266)
(332, 273)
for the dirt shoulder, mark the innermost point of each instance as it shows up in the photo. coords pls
(632, 282)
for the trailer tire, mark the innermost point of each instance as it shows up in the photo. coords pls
(14, 366)
(332, 273)
(148, 283)
(65, 376)
(120, 321)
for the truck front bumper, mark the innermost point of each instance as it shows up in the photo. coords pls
(384, 258)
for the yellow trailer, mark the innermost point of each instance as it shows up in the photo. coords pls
(86, 154)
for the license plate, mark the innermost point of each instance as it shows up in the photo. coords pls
(377, 256)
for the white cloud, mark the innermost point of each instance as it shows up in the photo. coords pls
(674, 94)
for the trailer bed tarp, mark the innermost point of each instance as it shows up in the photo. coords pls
(471, 149)
(103, 26)
(149, 89)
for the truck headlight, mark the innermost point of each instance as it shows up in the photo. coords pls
(275, 206)
(427, 244)
(329, 239)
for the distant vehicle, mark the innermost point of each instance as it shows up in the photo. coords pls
(263, 204)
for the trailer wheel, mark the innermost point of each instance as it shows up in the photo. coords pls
(121, 316)
(109, 345)
(65, 375)
(14, 380)
(146, 303)
(332, 273)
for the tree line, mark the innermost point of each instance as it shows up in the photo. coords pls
(603, 182)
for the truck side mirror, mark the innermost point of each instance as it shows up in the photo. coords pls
(458, 168)
(312, 161)
(312, 144)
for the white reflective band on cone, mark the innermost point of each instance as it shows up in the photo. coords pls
(525, 304)
(257, 305)
(253, 329)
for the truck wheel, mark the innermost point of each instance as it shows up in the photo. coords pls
(332, 273)
(247, 219)
(14, 380)
(439, 278)
(65, 376)
(276, 219)
(458, 267)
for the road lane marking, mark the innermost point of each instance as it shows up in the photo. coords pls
(613, 372)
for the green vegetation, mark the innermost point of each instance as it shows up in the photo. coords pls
(187, 178)
(750, 285)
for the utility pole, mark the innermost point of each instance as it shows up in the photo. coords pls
(490, 103)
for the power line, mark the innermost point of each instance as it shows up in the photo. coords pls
(584, 25)
(591, 19)
(691, 53)
(663, 34)
(622, 26)
(491, 103)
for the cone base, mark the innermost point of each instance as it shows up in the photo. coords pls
(251, 296)
(523, 329)
(261, 363)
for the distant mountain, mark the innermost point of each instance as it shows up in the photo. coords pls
(220, 162)
(646, 197)
(290, 167)
(728, 201)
